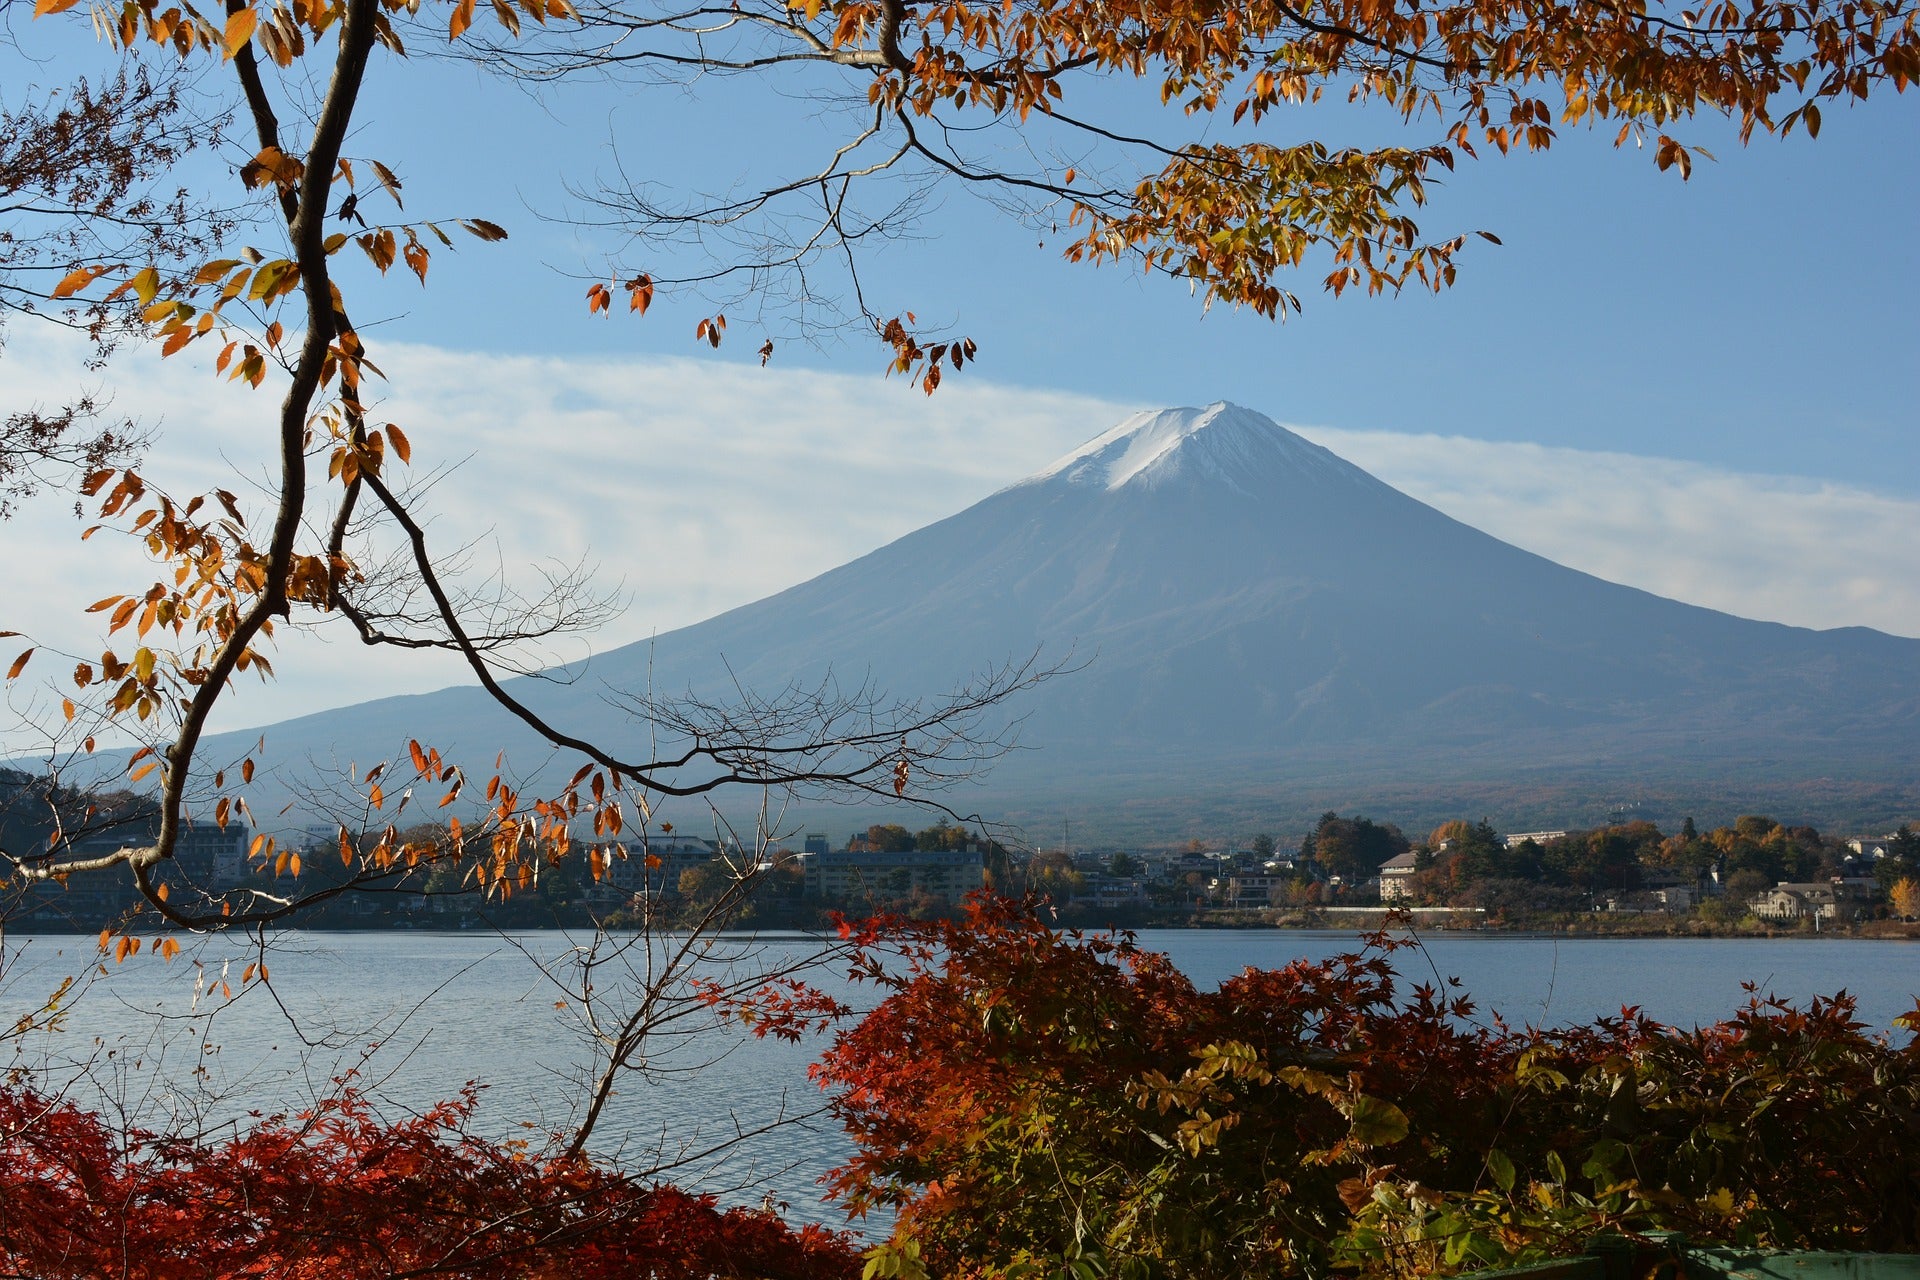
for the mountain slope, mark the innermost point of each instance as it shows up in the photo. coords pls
(1245, 606)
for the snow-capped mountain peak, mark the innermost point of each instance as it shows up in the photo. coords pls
(1220, 443)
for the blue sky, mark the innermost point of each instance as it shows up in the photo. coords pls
(1759, 316)
(1706, 389)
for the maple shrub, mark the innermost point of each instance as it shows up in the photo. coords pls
(1038, 1103)
(338, 1193)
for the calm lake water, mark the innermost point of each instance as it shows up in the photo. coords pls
(416, 1015)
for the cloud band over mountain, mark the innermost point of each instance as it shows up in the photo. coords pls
(702, 485)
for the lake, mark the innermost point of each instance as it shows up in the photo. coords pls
(416, 1015)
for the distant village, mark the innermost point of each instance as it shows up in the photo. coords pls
(1753, 870)
(1753, 874)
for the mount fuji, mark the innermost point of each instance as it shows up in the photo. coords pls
(1260, 626)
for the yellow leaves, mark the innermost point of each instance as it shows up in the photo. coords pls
(127, 945)
(908, 353)
(44, 7)
(852, 26)
(810, 7)
(640, 294)
(379, 246)
(1808, 114)
(79, 278)
(710, 331)
(240, 25)
(461, 20)
(272, 165)
(252, 367)
(599, 298)
(145, 285)
(281, 38)
(273, 280)
(416, 256)
(390, 183)
(1671, 154)
(19, 665)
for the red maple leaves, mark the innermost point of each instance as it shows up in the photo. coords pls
(340, 1193)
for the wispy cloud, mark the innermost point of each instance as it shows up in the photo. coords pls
(1805, 552)
(700, 486)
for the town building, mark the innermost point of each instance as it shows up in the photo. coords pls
(1822, 901)
(1113, 891)
(1254, 888)
(1396, 877)
(213, 857)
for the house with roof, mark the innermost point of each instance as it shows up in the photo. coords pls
(1396, 877)
(1821, 901)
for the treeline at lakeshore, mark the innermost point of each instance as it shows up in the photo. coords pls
(1753, 875)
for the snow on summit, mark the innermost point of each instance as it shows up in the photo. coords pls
(1222, 442)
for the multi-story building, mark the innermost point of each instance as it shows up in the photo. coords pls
(1254, 889)
(211, 856)
(1396, 874)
